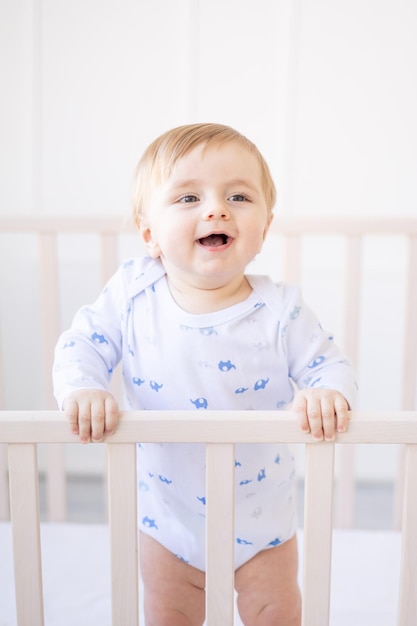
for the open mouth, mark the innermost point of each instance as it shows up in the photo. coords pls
(215, 240)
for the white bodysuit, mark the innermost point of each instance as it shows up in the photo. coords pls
(247, 356)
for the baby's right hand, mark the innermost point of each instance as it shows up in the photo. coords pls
(91, 414)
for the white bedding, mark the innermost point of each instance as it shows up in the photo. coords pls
(76, 575)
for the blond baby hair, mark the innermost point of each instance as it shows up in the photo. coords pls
(159, 159)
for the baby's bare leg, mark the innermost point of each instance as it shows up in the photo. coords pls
(268, 593)
(173, 590)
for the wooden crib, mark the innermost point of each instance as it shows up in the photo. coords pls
(22, 430)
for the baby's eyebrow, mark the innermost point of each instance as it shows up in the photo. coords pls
(241, 182)
(191, 182)
(184, 184)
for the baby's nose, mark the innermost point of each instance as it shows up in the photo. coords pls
(216, 212)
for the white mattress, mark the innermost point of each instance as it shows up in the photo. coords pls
(76, 566)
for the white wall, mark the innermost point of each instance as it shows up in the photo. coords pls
(326, 88)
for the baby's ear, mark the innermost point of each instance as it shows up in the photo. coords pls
(151, 245)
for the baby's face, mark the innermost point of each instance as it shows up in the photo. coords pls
(208, 220)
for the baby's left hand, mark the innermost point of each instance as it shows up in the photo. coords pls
(321, 412)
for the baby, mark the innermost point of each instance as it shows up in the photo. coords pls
(194, 331)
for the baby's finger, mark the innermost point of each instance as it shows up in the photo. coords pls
(70, 408)
(299, 408)
(84, 421)
(98, 416)
(328, 418)
(342, 413)
(314, 417)
(112, 415)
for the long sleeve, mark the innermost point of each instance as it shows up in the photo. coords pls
(314, 359)
(87, 353)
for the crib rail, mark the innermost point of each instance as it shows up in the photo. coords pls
(220, 430)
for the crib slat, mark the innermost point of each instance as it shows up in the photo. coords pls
(346, 481)
(407, 613)
(292, 258)
(50, 328)
(318, 509)
(409, 367)
(352, 296)
(4, 497)
(108, 255)
(4, 500)
(50, 322)
(121, 468)
(220, 463)
(24, 507)
(109, 260)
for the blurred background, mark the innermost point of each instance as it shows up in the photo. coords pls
(327, 89)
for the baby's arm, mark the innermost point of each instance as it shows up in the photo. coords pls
(324, 376)
(91, 414)
(85, 358)
(321, 412)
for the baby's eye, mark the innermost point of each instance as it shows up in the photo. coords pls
(239, 197)
(188, 198)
